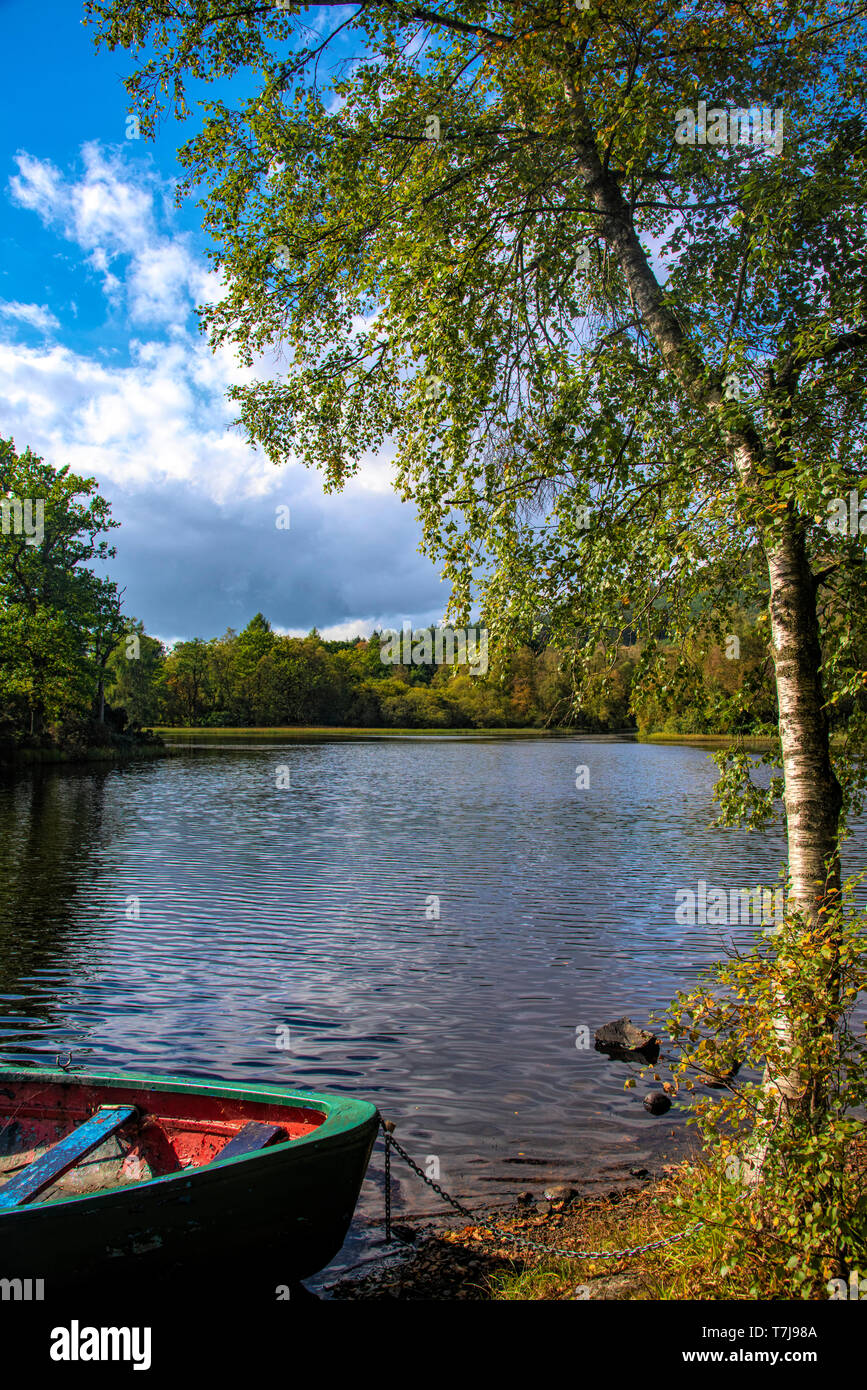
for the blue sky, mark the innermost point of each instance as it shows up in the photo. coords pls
(102, 368)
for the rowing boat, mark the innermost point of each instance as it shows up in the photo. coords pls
(173, 1176)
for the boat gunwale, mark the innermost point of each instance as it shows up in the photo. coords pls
(343, 1116)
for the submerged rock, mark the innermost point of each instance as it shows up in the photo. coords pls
(657, 1102)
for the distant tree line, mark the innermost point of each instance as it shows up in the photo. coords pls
(258, 678)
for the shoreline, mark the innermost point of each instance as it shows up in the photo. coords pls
(448, 1257)
(289, 731)
(177, 740)
(35, 757)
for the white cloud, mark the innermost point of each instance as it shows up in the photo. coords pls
(338, 632)
(143, 422)
(110, 213)
(36, 315)
(363, 627)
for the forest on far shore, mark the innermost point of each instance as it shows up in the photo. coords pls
(258, 678)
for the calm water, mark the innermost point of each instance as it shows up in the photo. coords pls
(310, 908)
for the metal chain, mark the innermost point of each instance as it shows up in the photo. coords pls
(390, 1141)
(496, 1232)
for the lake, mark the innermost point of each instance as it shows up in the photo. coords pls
(423, 922)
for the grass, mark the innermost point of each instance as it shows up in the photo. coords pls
(685, 1269)
(756, 742)
(688, 1268)
(698, 1266)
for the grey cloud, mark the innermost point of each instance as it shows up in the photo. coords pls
(193, 568)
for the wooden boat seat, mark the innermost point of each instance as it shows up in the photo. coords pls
(248, 1140)
(48, 1167)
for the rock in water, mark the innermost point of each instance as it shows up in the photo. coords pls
(622, 1040)
(657, 1102)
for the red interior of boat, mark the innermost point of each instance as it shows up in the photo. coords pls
(174, 1131)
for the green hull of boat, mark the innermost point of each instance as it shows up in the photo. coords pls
(267, 1219)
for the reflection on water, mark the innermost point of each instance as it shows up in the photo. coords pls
(306, 915)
